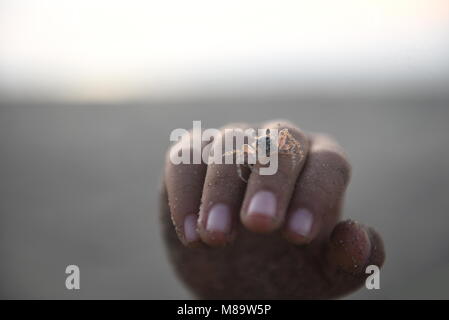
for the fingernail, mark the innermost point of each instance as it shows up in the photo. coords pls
(263, 203)
(219, 219)
(301, 222)
(190, 232)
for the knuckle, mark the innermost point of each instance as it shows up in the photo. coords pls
(334, 164)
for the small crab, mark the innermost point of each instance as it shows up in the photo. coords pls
(286, 144)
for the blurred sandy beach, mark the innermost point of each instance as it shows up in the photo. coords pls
(80, 185)
(90, 90)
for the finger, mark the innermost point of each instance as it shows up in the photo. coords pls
(317, 200)
(267, 196)
(223, 191)
(184, 184)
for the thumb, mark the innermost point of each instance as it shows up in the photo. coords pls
(353, 246)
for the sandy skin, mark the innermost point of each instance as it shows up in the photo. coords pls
(294, 249)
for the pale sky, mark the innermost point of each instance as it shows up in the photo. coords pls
(98, 49)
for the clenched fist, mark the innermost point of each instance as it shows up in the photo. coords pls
(233, 233)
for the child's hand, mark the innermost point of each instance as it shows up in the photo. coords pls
(276, 236)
